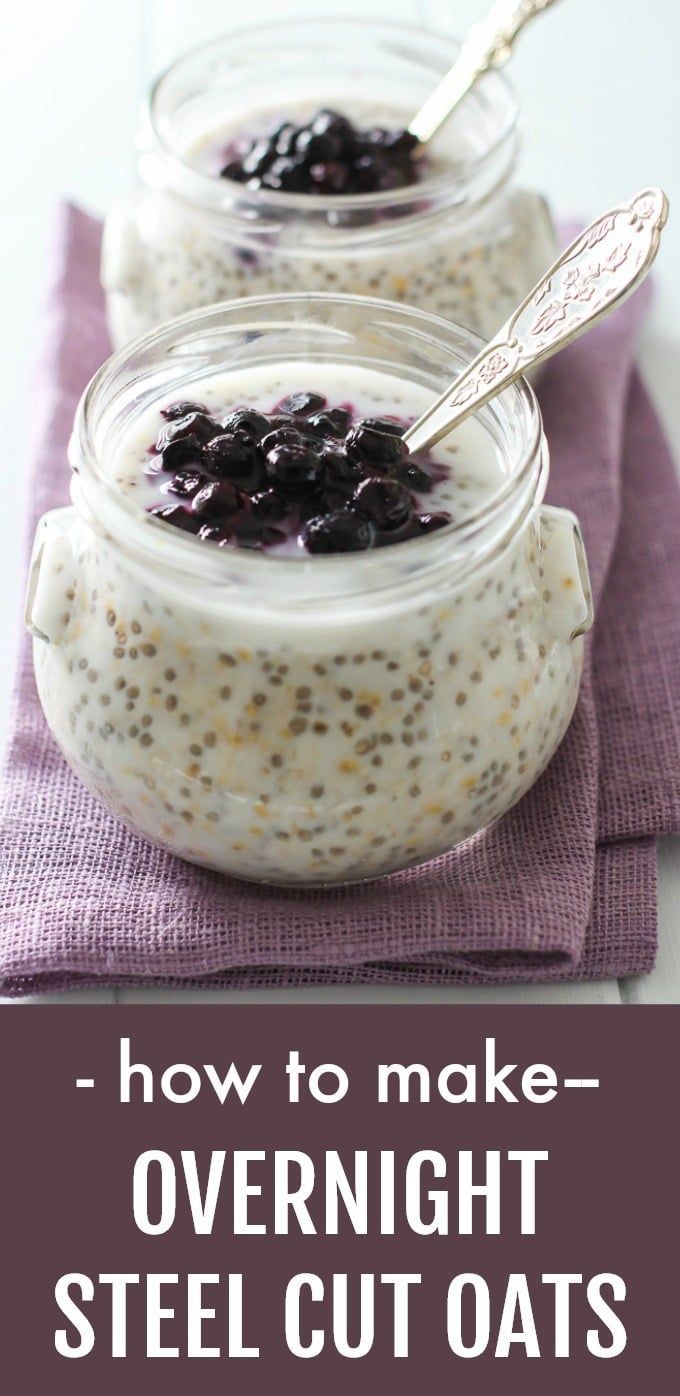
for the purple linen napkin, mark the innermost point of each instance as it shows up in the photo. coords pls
(561, 888)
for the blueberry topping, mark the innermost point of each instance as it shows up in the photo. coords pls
(177, 516)
(235, 456)
(215, 533)
(177, 410)
(284, 137)
(191, 424)
(388, 425)
(217, 500)
(385, 502)
(327, 155)
(269, 507)
(246, 419)
(185, 483)
(306, 471)
(282, 436)
(341, 531)
(412, 475)
(339, 472)
(328, 122)
(233, 170)
(188, 450)
(329, 177)
(183, 438)
(333, 421)
(371, 443)
(400, 142)
(300, 404)
(294, 470)
(428, 523)
(287, 173)
(258, 159)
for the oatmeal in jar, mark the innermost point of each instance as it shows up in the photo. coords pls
(258, 179)
(271, 640)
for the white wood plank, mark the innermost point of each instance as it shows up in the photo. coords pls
(663, 984)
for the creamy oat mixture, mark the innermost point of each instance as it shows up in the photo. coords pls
(300, 741)
(164, 255)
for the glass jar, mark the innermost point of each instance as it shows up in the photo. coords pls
(464, 243)
(462, 648)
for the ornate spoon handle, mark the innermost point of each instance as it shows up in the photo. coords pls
(595, 274)
(488, 45)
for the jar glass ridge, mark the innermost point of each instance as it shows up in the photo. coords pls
(464, 242)
(464, 646)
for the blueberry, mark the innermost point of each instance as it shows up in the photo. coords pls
(215, 533)
(325, 501)
(300, 404)
(327, 155)
(338, 470)
(196, 425)
(282, 436)
(258, 159)
(177, 410)
(177, 516)
(235, 456)
(371, 139)
(428, 523)
(183, 452)
(234, 170)
(334, 421)
(342, 531)
(217, 500)
(269, 507)
(390, 176)
(330, 177)
(412, 475)
(370, 443)
(278, 420)
(332, 123)
(284, 138)
(246, 419)
(400, 142)
(385, 502)
(294, 470)
(370, 172)
(390, 425)
(185, 483)
(288, 173)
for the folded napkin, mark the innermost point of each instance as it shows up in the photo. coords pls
(561, 888)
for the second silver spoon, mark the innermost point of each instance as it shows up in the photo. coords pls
(488, 45)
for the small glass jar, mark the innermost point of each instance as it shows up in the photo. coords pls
(464, 242)
(173, 674)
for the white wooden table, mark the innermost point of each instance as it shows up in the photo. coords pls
(598, 83)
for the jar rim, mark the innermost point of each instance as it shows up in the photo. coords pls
(205, 190)
(468, 541)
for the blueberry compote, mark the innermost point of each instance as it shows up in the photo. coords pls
(305, 473)
(328, 154)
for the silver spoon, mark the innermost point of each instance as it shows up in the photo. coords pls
(488, 45)
(595, 274)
